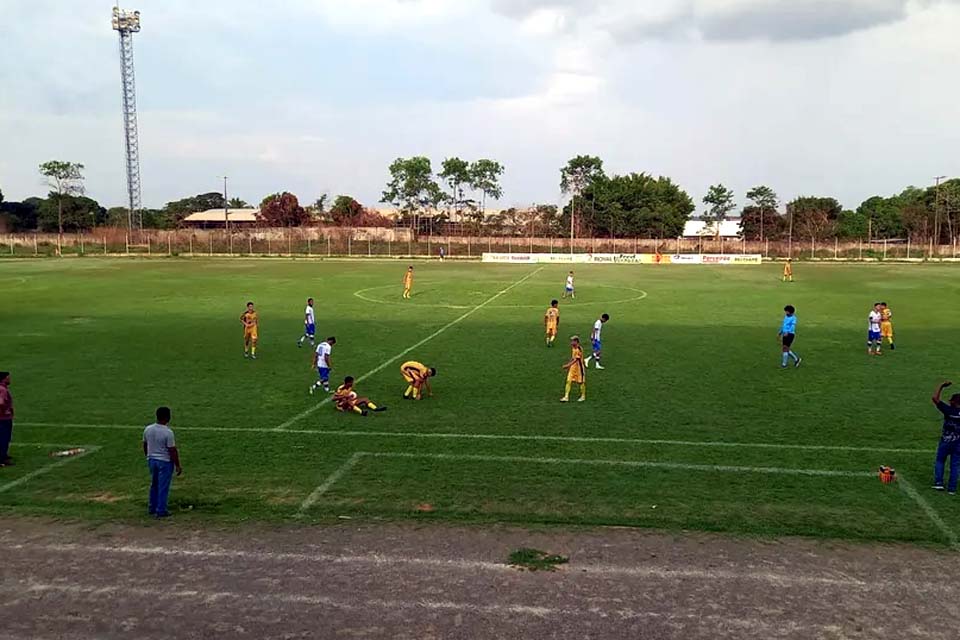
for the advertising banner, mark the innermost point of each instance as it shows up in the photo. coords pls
(622, 258)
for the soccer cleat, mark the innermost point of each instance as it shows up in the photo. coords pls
(379, 409)
(564, 399)
(364, 413)
(312, 389)
(799, 360)
(599, 367)
(588, 359)
(939, 487)
(892, 347)
(246, 355)
(582, 399)
(252, 357)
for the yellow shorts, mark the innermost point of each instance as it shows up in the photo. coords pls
(575, 375)
(552, 331)
(886, 329)
(250, 334)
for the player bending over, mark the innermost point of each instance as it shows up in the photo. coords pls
(322, 363)
(788, 332)
(874, 343)
(551, 322)
(595, 339)
(407, 283)
(568, 289)
(886, 324)
(345, 399)
(309, 324)
(576, 371)
(417, 376)
(788, 271)
(251, 329)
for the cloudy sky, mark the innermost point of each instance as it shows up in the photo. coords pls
(819, 97)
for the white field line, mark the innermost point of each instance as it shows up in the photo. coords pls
(514, 437)
(338, 473)
(928, 509)
(48, 468)
(197, 595)
(640, 464)
(303, 414)
(378, 560)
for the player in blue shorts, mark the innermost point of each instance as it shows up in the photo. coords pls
(568, 289)
(874, 341)
(595, 339)
(788, 332)
(323, 364)
(309, 324)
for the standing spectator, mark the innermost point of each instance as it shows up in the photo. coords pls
(162, 458)
(949, 440)
(6, 419)
(443, 253)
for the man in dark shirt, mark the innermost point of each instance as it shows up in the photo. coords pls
(6, 419)
(949, 440)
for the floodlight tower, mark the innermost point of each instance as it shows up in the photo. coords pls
(127, 23)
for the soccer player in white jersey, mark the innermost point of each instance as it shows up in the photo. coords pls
(873, 331)
(323, 364)
(309, 325)
(595, 339)
(568, 288)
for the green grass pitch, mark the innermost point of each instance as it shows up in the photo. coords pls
(687, 409)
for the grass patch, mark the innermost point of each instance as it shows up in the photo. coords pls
(535, 560)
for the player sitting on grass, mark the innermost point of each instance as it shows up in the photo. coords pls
(788, 332)
(346, 399)
(417, 375)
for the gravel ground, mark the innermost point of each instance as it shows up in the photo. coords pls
(402, 581)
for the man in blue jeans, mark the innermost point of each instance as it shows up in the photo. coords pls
(162, 459)
(949, 440)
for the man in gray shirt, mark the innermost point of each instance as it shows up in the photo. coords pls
(162, 459)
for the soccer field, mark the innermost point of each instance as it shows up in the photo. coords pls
(692, 425)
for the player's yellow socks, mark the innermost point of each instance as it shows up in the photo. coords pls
(583, 390)
(408, 392)
(253, 350)
(566, 391)
(357, 409)
(371, 406)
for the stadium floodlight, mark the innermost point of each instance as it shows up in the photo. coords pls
(126, 23)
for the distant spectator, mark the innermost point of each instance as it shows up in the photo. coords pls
(443, 254)
(949, 440)
(162, 459)
(6, 419)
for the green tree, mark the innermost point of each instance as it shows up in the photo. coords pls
(882, 216)
(813, 217)
(579, 173)
(751, 219)
(238, 203)
(851, 225)
(347, 212)
(72, 213)
(635, 205)
(720, 203)
(765, 201)
(177, 210)
(485, 178)
(412, 188)
(64, 179)
(22, 215)
(282, 210)
(456, 173)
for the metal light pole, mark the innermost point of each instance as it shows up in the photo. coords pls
(936, 206)
(126, 23)
(226, 207)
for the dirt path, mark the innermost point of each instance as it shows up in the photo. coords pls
(395, 581)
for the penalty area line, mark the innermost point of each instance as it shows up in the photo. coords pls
(930, 512)
(303, 414)
(329, 482)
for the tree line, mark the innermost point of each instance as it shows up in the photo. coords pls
(599, 204)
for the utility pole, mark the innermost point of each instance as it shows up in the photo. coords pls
(226, 207)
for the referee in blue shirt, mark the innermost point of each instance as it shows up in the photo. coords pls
(788, 332)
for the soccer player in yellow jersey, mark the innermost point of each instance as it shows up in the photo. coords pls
(576, 371)
(251, 326)
(345, 399)
(788, 271)
(417, 375)
(407, 283)
(551, 322)
(886, 324)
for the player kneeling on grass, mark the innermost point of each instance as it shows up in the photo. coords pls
(345, 399)
(417, 376)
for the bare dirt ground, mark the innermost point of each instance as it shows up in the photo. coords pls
(166, 580)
